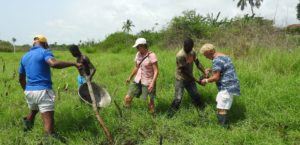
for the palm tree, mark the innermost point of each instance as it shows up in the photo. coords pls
(298, 11)
(127, 26)
(253, 3)
(14, 40)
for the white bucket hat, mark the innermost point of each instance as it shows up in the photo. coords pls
(102, 97)
(139, 41)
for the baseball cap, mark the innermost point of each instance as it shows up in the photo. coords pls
(139, 41)
(40, 38)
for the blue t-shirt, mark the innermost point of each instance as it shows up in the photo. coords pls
(228, 79)
(34, 65)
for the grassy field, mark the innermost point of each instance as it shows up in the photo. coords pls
(266, 112)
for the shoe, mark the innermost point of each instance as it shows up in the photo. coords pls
(28, 125)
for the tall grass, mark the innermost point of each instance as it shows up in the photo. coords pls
(265, 113)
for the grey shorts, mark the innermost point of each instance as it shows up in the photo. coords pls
(42, 100)
(137, 89)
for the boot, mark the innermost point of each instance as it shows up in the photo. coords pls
(28, 125)
(175, 104)
(223, 120)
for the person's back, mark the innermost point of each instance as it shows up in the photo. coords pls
(34, 63)
(35, 80)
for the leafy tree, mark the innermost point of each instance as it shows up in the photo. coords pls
(253, 3)
(127, 26)
(298, 11)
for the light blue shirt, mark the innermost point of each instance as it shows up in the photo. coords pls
(228, 79)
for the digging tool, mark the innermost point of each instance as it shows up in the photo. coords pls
(106, 131)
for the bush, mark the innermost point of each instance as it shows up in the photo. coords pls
(90, 49)
(246, 32)
(116, 42)
(6, 46)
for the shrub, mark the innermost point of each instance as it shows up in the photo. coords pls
(117, 41)
(6, 46)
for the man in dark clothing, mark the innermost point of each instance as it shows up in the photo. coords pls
(185, 59)
(87, 69)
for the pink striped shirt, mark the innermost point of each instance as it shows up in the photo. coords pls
(145, 71)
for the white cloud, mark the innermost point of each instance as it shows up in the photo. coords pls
(74, 20)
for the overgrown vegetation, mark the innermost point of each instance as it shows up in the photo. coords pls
(265, 113)
(239, 34)
(266, 59)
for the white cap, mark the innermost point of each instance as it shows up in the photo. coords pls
(139, 41)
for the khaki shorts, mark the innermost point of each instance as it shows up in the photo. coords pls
(42, 100)
(224, 100)
(137, 89)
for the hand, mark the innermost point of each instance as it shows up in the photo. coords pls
(150, 87)
(207, 72)
(203, 82)
(199, 82)
(128, 80)
(78, 65)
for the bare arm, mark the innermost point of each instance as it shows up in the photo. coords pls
(155, 70)
(22, 81)
(61, 64)
(200, 66)
(92, 70)
(134, 71)
(215, 77)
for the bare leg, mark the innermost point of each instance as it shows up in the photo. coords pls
(222, 117)
(151, 106)
(48, 120)
(31, 115)
(28, 121)
(127, 101)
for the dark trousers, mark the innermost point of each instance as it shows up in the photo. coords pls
(191, 88)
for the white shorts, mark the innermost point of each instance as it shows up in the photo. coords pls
(42, 100)
(224, 100)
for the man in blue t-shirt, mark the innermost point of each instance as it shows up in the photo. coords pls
(226, 79)
(35, 79)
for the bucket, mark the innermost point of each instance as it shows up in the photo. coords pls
(102, 97)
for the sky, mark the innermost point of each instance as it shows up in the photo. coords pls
(69, 21)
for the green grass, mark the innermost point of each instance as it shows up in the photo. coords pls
(267, 112)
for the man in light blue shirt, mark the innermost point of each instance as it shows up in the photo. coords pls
(226, 79)
(35, 79)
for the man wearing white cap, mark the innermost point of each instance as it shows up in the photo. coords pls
(145, 72)
(35, 79)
